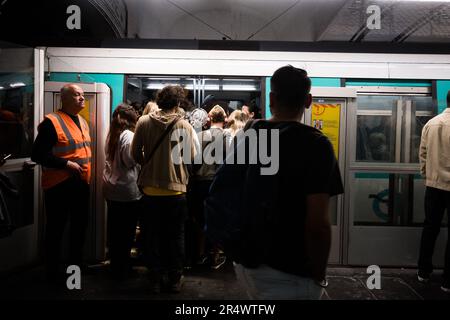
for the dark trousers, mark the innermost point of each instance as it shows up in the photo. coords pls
(195, 225)
(436, 202)
(66, 202)
(163, 221)
(122, 220)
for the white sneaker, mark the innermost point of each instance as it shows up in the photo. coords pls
(423, 277)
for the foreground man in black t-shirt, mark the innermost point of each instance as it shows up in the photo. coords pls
(285, 234)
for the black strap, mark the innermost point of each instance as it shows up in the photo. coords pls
(161, 138)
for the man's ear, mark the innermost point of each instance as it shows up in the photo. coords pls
(308, 101)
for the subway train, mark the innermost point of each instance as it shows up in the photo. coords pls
(372, 107)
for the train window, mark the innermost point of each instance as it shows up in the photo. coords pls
(389, 127)
(420, 122)
(375, 136)
(387, 198)
(16, 105)
(201, 91)
(423, 110)
(374, 140)
(377, 102)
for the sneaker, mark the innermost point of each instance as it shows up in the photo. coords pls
(176, 287)
(217, 261)
(446, 286)
(423, 276)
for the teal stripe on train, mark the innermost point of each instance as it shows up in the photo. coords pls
(442, 87)
(387, 83)
(114, 81)
(380, 175)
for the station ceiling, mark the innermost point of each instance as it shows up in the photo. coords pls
(368, 24)
(291, 20)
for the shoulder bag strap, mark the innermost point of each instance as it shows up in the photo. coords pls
(161, 138)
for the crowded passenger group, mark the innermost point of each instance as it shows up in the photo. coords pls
(190, 213)
(154, 203)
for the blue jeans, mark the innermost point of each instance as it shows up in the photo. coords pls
(436, 202)
(266, 283)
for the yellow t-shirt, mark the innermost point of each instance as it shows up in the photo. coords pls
(152, 191)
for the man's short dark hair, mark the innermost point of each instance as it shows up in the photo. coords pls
(448, 99)
(291, 86)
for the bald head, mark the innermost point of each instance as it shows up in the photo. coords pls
(72, 99)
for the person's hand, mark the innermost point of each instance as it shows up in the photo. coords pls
(74, 167)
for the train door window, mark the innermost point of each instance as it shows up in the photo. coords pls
(375, 136)
(200, 90)
(17, 117)
(422, 112)
(389, 127)
(17, 107)
(233, 91)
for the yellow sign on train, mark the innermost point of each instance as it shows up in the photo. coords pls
(326, 118)
(86, 111)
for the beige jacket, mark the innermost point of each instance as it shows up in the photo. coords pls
(434, 152)
(162, 171)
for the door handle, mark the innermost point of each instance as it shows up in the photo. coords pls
(3, 159)
(28, 165)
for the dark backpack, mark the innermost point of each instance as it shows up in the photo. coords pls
(240, 210)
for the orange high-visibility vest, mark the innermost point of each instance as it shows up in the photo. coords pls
(73, 145)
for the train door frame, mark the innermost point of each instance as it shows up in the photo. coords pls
(346, 97)
(364, 239)
(26, 240)
(99, 95)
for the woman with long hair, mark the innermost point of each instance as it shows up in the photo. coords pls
(120, 189)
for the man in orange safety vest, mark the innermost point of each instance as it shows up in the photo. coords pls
(62, 147)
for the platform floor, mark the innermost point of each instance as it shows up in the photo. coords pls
(203, 283)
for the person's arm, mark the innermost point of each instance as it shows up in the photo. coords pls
(317, 234)
(423, 151)
(323, 180)
(42, 147)
(125, 146)
(137, 144)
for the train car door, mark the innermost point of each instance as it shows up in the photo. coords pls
(328, 113)
(384, 186)
(97, 114)
(21, 75)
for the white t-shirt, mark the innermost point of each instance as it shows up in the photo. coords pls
(120, 175)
